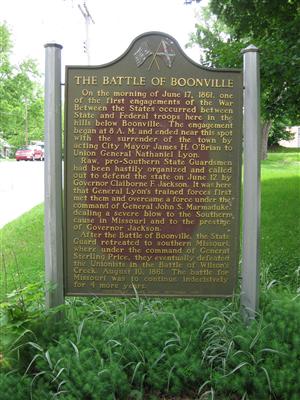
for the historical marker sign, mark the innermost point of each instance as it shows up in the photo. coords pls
(152, 175)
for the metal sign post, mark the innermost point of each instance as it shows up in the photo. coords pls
(251, 198)
(53, 177)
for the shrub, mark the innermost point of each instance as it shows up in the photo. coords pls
(131, 349)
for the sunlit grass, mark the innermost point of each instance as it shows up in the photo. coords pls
(280, 217)
(281, 165)
(22, 250)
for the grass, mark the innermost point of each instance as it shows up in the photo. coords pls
(280, 217)
(22, 250)
(281, 165)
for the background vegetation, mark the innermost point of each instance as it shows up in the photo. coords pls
(227, 27)
(22, 104)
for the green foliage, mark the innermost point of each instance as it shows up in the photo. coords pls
(17, 387)
(14, 387)
(21, 109)
(129, 349)
(279, 132)
(228, 26)
(274, 28)
(19, 312)
(282, 316)
(218, 49)
(5, 49)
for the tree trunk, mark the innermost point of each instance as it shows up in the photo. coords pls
(264, 143)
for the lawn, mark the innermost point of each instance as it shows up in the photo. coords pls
(22, 251)
(280, 216)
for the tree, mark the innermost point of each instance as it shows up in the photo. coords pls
(272, 26)
(21, 107)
